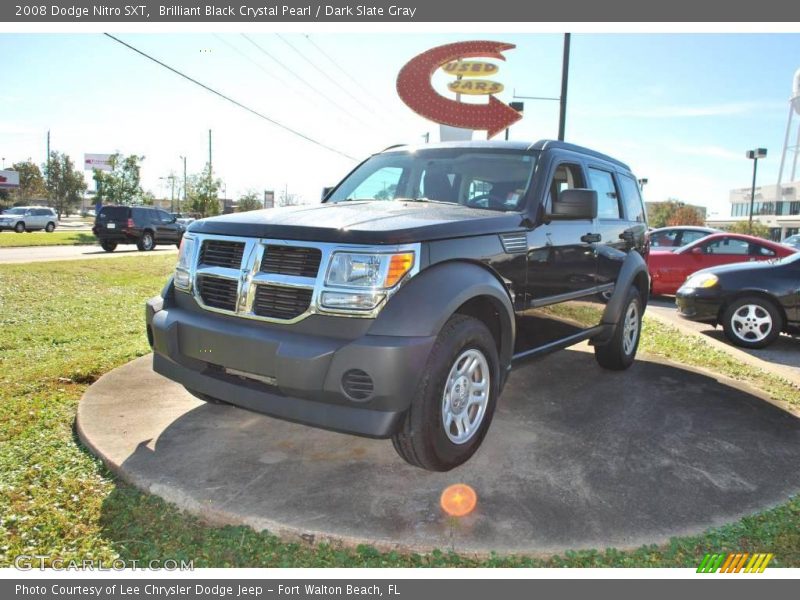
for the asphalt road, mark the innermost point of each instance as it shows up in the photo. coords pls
(48, 253)
(784, 352)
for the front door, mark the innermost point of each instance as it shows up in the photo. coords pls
(562, 272)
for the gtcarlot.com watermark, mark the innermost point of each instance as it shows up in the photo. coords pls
(31, 562)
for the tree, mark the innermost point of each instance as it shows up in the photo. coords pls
(250, 201)
(674, 212)
(120, 185)
(65, 184)
(31, 183)
(686, 215)
(204, 193)
(759, 229)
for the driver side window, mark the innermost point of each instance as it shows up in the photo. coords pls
(567, 176)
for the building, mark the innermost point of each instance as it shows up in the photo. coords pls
(777, 207)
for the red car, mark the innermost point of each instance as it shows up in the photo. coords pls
(670, 268)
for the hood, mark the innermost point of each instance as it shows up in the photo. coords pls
(373, 222)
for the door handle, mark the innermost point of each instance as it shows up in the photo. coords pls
(591, 238)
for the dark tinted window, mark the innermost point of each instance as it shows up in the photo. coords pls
(114, 213)
(164, 216)
(634, 209)
(607, 197)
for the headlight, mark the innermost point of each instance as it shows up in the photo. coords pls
(375, 271)
(185, 256)
(701, 280)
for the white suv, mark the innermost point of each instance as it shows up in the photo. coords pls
(29, 218)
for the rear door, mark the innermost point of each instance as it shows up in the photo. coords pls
(616, 236)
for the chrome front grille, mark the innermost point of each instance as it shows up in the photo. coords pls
(218, 292)
(280, 302)
(280, 281)
(291, 260)
(221, 253)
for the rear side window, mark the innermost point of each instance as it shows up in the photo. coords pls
(634, 209)
(114, 213)
(607, 197)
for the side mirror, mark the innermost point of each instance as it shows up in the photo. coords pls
(325, 191)
(697, 250)
(575, 204)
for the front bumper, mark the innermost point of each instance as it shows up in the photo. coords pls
(699, 304)
(292, 373)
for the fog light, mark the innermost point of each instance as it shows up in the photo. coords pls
(351, 300)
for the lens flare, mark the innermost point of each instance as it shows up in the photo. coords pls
(458, 500)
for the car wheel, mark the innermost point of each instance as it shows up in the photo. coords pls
(620, 351)
(108, 246)
(19, 227)
(50, 227)
(146, 242)
(453, 406)
(204, 397)
(752, 322)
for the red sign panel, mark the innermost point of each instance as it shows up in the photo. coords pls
(415, 89)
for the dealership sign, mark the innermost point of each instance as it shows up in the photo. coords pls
(101, 162)
(9, 180)
(415, 89)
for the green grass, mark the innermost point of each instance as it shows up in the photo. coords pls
(65, 324)
(11, 239)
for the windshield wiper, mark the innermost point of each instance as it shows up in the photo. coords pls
(424, 199)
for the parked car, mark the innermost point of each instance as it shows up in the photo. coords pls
(677, 236)
(752, 302)
(397, 307)
(669, 269)
(793, 241)
(29, 218)
(141, 225)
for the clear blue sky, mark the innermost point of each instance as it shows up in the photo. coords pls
(681, 109)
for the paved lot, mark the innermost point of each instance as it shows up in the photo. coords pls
(782, 357)
(577, 457)
(47, 253)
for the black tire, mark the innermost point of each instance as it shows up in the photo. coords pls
(204, 397)
(146, 242)
(620, 351)
(19, 227)
(752, 322)
(422, 439)
(108, 246)
(50, 227)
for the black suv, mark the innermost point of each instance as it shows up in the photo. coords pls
(138, 225)
(399, 306)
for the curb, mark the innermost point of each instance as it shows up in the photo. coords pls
(733, 351)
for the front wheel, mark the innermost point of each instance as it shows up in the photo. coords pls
(618, 353)
(454, 402)
(752, 322)
(50, 227)
(20, 227)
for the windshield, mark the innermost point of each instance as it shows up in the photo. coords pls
(474, 177)
(15, 211)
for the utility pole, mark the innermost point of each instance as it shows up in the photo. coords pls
(184, 183)
(47, 163)
(562, 117)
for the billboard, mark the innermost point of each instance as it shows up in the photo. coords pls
(102, 162)
(269, 199)
(9, 180)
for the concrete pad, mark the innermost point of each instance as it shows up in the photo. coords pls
(577, 457)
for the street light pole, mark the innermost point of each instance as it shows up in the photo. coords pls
(184, 183)
(754, 155)
(562, 116)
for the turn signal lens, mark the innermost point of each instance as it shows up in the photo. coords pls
(398, 267)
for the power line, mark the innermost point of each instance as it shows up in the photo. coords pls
(231, 100)
(323, 73)
(303, 81)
